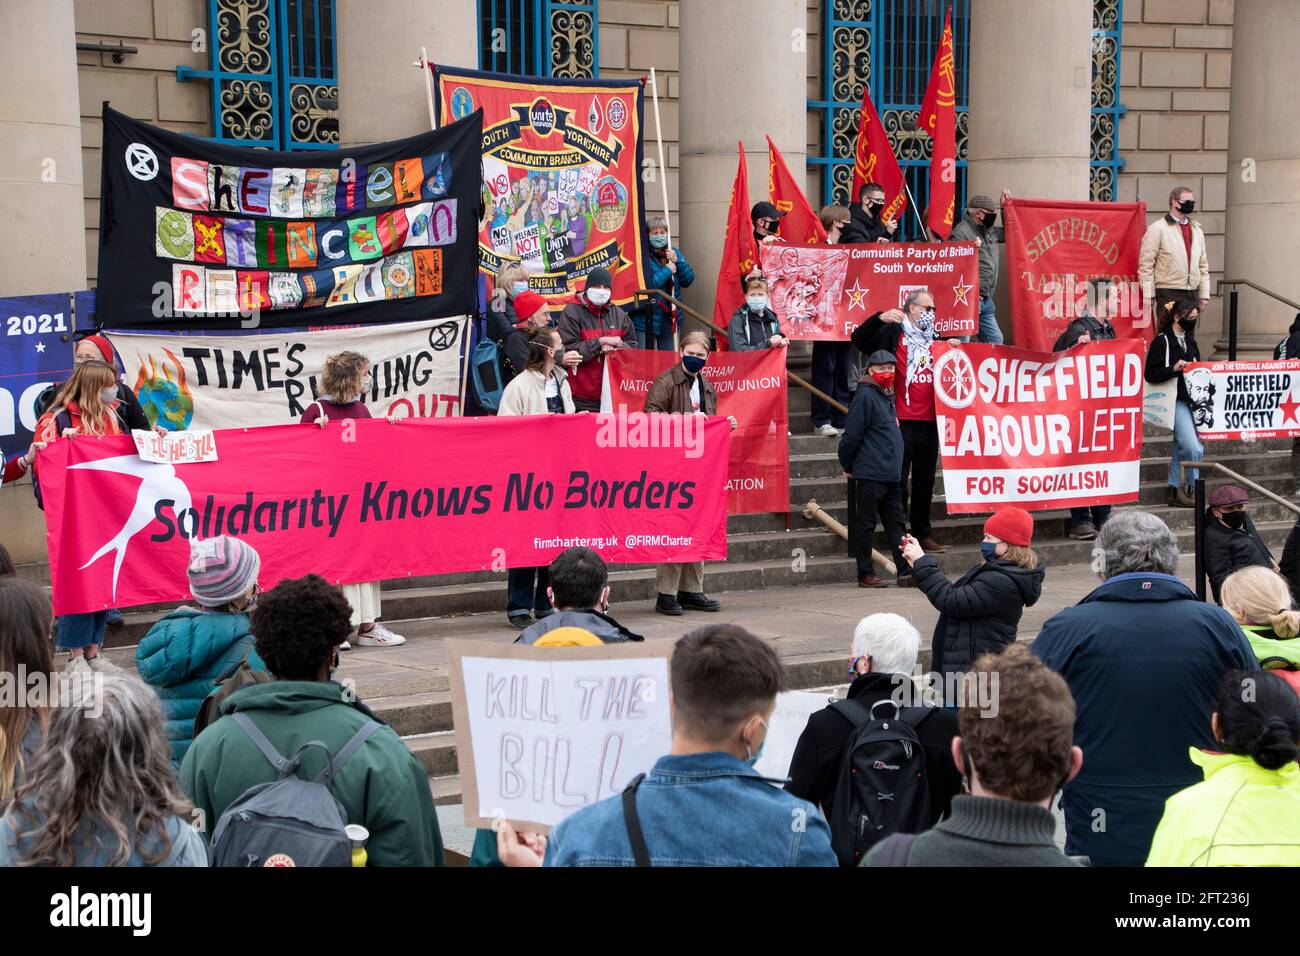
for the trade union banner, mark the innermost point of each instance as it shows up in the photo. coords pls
(201, 235)
(186, 382)
(35, 352)
(368, 501)
(825, 292)
(1039, 430)
(751, 386)
(1055, 249)
(561, 176)
(1250, 400)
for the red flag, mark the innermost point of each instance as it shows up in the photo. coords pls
(874, 162)
(739, 253)
(939, 119)
(800, 223)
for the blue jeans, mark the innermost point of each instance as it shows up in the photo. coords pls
(1187, 446)
(1095, 515)
(75, 631)
(662, 342)
(527, 590)
(990, 333)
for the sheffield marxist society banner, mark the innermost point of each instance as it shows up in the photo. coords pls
(196, 234)
(369, 501)
(1235, 400)
(825, 292)
(561, 176)
(1039, 430)
(1054, 248)
(752, 387)
(227, 381)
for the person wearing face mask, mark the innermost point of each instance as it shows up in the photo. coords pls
(871, 454)
(530, 313)
(754, 325)
(346, 384)
(591, 328)
(1172, 264)
(1170, 352)
(1231, 541)
(980, 612)
(656, 321)
(866, 219)
(86, 404)
(682, 390)
(978, 226)
(908, 334)
(298, 627)
(702, 804)
(97, 348)
(767, 222)
(189, 651)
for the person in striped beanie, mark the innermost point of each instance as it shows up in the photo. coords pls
(187, 653)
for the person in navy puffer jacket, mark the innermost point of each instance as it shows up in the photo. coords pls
(187, 652)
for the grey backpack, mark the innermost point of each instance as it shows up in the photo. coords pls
(290, 821)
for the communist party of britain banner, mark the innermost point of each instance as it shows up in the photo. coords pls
(1250, 400)
(369, 500)
(751, 386)
(561, 176)
(203, 235)
(825, 292)
(1054, 249)
(228, 381)
(1039, 430)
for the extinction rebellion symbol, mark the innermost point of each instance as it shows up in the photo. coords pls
(443, 337)
(954, 378)
(141, 162)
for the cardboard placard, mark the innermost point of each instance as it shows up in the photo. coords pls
(544, 731)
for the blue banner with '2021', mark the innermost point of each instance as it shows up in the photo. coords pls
(35, 351)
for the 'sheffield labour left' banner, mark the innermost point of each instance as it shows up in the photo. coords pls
(367, 501)
(1235, 400)
(1039, 430)
(752, 387)
(196, 234)
(825, 292)
(561, 176)
(1054, 248)
(227, 381)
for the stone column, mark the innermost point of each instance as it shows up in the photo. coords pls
(742, 75)
(41, 200)
(1263, 172)
(381, 95)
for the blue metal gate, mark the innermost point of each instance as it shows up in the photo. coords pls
(539, 37)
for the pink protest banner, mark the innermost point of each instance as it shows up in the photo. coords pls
(368, 500)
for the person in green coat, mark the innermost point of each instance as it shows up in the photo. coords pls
(1247, 810)
(298, 627)
(186, 653)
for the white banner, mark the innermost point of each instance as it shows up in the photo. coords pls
(192, 382)
(1244, 400)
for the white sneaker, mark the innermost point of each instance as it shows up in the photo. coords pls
(77, 664)
(103, 665)
(379, 636)
(345, 646)
(826, 431)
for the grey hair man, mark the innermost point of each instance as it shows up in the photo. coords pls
(1143, 659)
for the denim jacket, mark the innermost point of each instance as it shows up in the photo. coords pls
(705, 809)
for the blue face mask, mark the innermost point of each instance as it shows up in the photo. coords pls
(757, 754)
(693, 364)
(517, 287)
(989, 549)
(659, 242)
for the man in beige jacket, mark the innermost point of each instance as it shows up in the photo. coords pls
(1172, 263)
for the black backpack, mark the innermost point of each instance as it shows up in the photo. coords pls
(882, 783)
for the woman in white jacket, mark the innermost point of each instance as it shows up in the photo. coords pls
(542, 388)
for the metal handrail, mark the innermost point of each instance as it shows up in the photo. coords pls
(1242, 479)
(699, 317)
(1258, 288)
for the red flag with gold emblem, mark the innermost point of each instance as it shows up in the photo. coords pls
(739, 253)
(800, 223)
(939, 119)
(874, 162)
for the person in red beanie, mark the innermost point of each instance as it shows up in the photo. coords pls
(97, 348)
(980, 611)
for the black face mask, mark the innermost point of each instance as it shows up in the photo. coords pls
(874, 207)
(1235, 520)
(1187, 206)
(1187, 325)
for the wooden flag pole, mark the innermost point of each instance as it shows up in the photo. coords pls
(428, 86)
(663, 179)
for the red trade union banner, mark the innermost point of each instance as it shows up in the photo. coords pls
(561, 176)
(825, 292)
(1039, 430)
(1244, 400)
(1054, 249)
(752, 387)
(369, 501)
